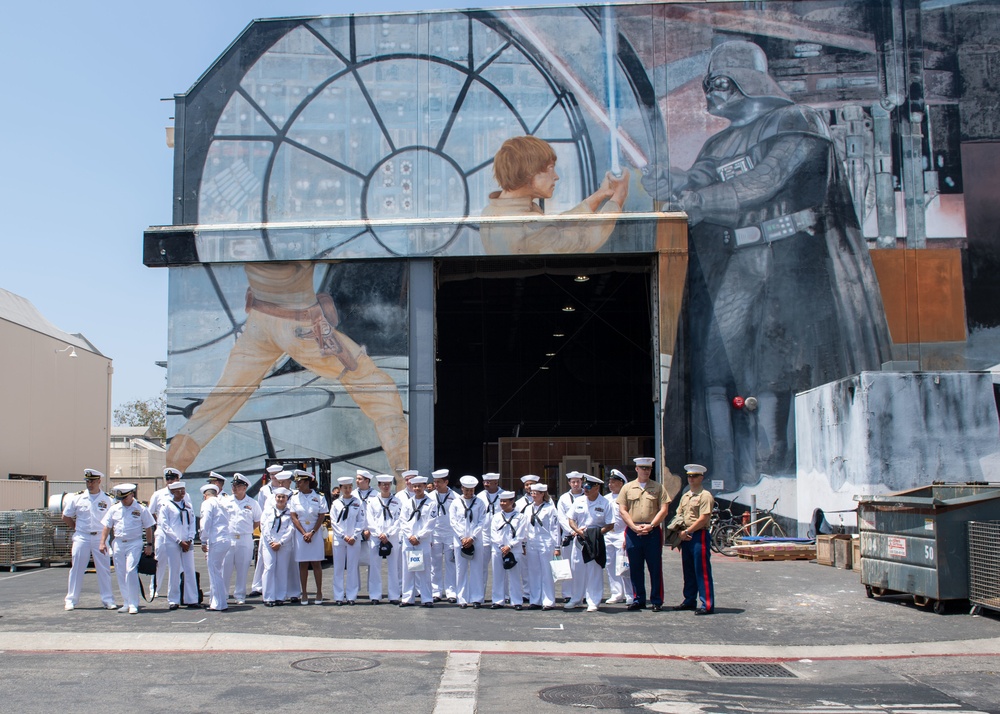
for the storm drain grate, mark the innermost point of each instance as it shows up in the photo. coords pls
(751, 669)
(596, 696)
(330, 665)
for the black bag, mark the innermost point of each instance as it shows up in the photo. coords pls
(147, 565)
(201, 595)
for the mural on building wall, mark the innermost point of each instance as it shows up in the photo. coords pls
(791, 133)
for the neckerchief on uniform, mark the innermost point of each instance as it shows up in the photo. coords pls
(342, 516)
(469, 508)
(507, 524)
(386, 512)
(420, 507)
(277, 520)
(182, 511)
(491, 508)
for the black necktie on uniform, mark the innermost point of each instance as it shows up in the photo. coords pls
(534, 516)
(468, 509)
(493, 504)
(386, 513)
(417, 512)
(277, 520)
(508, 524)
(343, 514)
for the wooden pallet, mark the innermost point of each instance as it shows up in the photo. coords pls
(776, 551)
(757, 557)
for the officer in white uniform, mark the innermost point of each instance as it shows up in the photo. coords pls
(159, 497)
(442, 547)
(277, 537)
(382, 524)
(214, 529)
(563, 506)
(347, 519)
(589, 513)
(467, 515)
(521, 505)
(543, 544)
(416, 528)
(178, 524)
(83, 513)
(127, 520)
(220, 483)
(363, 491)
(619, 585)
(308, 509)
(262, 500)
(244, 517)
(490, 496)
(508, 535)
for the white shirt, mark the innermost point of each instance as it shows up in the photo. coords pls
(467, 519)
(88, 510)
(347, 519)
(382, 517)
(128, 522)
(416, 518)
(508, 529)
(443, 532)
(309, 507)
(276, 526)
(214, 526)
(243, 513)
(491, 502)
(177, 520)
(587, 513)
(160, 497)
(543, 526)
(564, 506)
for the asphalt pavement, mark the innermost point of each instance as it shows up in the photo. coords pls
(786, 636)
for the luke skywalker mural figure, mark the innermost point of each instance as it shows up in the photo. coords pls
(287, 316)
(782, 294)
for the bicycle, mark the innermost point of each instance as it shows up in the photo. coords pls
(723, 525)
(725, 539)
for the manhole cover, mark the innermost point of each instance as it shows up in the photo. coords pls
(329, 665)
(750, 669)
(596, 696)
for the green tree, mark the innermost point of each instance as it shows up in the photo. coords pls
(144, 412)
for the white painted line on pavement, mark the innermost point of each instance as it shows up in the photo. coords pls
(26, 572)
(189, 622)
(458, 690)
(549, 628)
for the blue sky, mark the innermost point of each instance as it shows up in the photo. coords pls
(85, 163)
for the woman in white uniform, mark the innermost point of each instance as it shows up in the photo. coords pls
(308, 509)
(277, 535)
(543, 544)
(614, 541)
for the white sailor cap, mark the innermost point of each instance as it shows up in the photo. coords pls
(240, 478)
(384, 478)
(282, 476)
(123, 488)
(274, 468)
(507, 495)
(301, 475)
(440, 473)
(410, 473)
(469, 481)
(345, 481)
(592, 479)
(574, 474)
(491, 477)
(418, 479)
(539, 487)
(92, 473)
(176, 486)
(171, 472)
(362, 473)
(213, 476)
(209, 487)
(615, 473)
(530, 478)
(281, 491)
(695, 469)
(644, 461)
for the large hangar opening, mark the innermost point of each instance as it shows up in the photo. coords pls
(540, 359)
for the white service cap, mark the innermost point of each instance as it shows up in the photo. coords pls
(281, 491)
(507, 495)
(644, 460)
(694, 469)
(123, 488)
(274, 468)
(282, 476)
(539, 487)
(170, 471)
(440, 473)
(345, 481)
(302, 475)
(530, 478)
(491, 476)
(410, 473)
(240, 478)
(384, 478)
(418, 479)
(469, 481)
(176, 486)
(593, 479)
(209, 487)
(92, 473)
(362, 473)
(615, 473)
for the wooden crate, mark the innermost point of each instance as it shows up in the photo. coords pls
(776, 551)
(856, 553)
(843, 549)
(826, 553)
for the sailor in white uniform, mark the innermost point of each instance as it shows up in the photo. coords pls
(308, 509)
(508, 534)
(347, 519)
(214, 529)
(416, 527)
(563, 507)
(159, 497)
(490, 496)
(262, 498)
(382, 524)
(589, 520)
(83, 513)
(467, 515)
(277, 536)
(178, 525)
(543, 544)
(244, 518)
(363, 491)
(522, 505)
(442, 547)
(128, 520)
(619, 585)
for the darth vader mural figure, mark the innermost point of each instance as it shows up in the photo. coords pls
(782, 293)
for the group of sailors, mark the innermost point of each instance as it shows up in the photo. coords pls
(438, 544)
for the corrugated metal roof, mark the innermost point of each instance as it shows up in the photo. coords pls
(21, 311)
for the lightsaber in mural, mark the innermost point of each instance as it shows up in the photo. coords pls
(583, 95)
(610, 57)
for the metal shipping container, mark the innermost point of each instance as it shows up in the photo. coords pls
(916, 541)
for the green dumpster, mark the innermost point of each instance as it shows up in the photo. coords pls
(916, 542)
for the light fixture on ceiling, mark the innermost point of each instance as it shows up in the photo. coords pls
(569, 308)
(558, 334)
(72, 350)
(581, 278)
(550, 354)
(543, 368)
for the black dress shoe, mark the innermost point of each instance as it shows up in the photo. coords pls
(350, 602)
(655, 608)
(703, 611)
(394, 602)
(636, 606)
(476, 605)
(338, 603)
(453, 600)
(437, 598)
(684, 606)
(462, 606)
(427, 604)
(406, 604)
(496, 606)
(293, 600)
(172, 606)
(268, 603)
(548, 607)
(254, 593)
(375, 602)
(519, 607)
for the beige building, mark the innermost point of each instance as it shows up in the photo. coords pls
(136, 456)
(55, 390)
